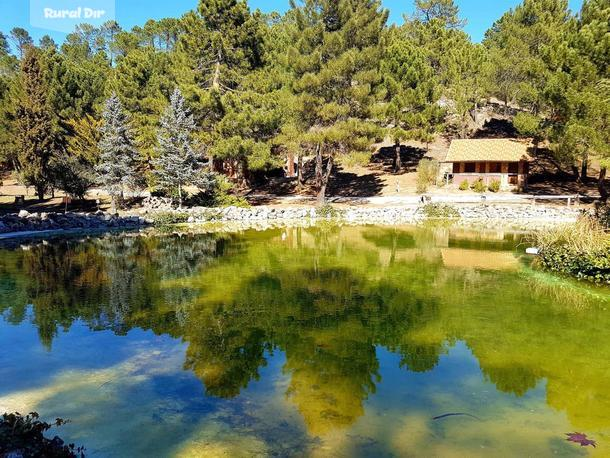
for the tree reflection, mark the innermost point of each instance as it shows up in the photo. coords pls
(327, 298)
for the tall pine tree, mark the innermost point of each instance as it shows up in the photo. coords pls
(34, 123)
(118, 164)
(177, 164)
(335, 62)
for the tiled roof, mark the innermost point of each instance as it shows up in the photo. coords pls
(487, 149)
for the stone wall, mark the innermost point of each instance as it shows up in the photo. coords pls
(33, 222)
(518, 216)
(387, 215)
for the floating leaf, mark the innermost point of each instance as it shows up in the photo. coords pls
(581, 439)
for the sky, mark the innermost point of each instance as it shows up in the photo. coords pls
(480, 14)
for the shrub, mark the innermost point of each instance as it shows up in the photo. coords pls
(24, 436)
(327, 211)
(478, 186)
(494, 186)
(163, 219)
(427, 173)
(440, 211)
(464, 185)
(581, 249)
(219, 195)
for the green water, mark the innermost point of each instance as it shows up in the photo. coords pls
(304, 342)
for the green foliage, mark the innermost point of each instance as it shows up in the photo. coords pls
(334, 61)
(494, 186)
(24, 436)
(478, 185)
(427, 174)
(464, 185)
(164, 219)
(72, 175)
(328, 211)
(433, 210)
(581, 250)
(34, 123)
(527, 124)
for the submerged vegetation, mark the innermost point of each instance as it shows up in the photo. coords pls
(581, 249)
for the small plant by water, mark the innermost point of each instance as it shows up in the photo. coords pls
(23, 436)
(327, 211)
(164, 219)
(464, 185)
(440, 211)
(581, 250)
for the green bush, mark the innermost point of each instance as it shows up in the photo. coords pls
(464, 185)
(427, 173)
(478, 186)
(219, 195)
(494, 186)
(162, 219)
(440, 211)
(327, 211)
(581, 250)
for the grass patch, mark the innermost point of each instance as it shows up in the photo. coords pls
(581, 250)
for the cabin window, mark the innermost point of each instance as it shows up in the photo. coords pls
(513, 167)
(456, 167)
(470, 167)
(495, 167)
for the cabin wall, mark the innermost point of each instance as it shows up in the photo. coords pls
(512, 175)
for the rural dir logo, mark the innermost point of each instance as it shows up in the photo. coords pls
(65, 15)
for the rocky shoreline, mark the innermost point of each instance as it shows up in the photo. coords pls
(45, 222)
(525, 217)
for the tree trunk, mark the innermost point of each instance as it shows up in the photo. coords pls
(325, 179)
(397, 161)
(601, 185)
(216, 79)
(40, 191)
(211, 163)
(290, 165)
(576, 173)
(299, 172)
(319, 166)
(180, 196)
(113, 204)
(584, 168)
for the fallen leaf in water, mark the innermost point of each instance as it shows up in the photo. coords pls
(581, 439)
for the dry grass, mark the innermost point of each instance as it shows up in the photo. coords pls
(585, 236)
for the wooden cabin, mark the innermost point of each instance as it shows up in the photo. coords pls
(505, 160)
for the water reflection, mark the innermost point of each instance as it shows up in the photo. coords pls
(329, 300)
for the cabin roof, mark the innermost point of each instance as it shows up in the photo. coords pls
(488, 150)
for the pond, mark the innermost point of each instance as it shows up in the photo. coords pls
(328, 341)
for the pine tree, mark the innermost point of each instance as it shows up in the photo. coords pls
(445, 12)
(4, 47)
(177, 165)
(410, 92)
(21, 39)
(118, 165)
(34, 123)
(335, 62)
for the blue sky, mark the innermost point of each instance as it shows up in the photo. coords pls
(480, 13)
